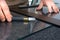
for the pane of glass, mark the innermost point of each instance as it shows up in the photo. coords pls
(18, 29)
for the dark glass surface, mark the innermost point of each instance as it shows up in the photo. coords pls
(19, 29)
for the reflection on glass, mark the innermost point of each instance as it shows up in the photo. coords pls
(5, 30)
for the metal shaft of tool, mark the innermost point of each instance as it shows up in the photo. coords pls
(23, 19)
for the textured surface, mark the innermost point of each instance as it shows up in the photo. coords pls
(52, 33)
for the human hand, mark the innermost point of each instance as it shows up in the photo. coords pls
(4, 12)
(50, 4)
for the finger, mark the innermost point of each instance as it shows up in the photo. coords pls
(49, 7)
(2, 17)
(6, 11)
(56, 10)
(40, 6)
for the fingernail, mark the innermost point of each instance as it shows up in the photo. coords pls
(49, 12)
(2, 20)
(9, 20)
(56, 12)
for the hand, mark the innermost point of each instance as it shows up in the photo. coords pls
(50, 4)
(4, 12)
